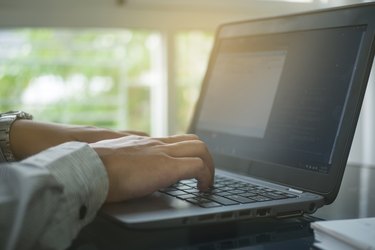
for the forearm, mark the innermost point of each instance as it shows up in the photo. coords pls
(30, 137)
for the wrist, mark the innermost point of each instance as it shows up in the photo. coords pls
(29, 137)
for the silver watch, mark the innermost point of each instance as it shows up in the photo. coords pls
(6, 120)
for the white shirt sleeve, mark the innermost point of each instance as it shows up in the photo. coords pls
(46, 199)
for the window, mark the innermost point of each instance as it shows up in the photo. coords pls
(103, 77)
(192, 57)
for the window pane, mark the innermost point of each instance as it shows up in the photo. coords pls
(193, 48)
(80, 76)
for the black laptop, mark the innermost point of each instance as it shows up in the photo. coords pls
(278, 110)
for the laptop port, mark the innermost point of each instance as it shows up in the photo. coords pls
(244, 214)
(289, 214)
(226, 216)
(263, 212)
(208, 217)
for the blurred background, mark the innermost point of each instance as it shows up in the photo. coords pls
(128, 64)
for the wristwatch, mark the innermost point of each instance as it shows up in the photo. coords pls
(6, 120)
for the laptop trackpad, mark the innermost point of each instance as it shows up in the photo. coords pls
(156, 202)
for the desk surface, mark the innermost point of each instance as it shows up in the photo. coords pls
(353, 201)
(269, 233)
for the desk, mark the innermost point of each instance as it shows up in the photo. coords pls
(354, 200)
(269, 233)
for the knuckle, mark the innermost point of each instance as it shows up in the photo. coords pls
(201, 145)
(192, 137)
(154, 142)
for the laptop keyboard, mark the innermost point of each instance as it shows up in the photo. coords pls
(226, 192)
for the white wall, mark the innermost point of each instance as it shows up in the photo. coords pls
(363, 147)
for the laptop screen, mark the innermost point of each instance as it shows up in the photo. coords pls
(279, 98)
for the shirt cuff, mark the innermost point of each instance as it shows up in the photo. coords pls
(78, 168)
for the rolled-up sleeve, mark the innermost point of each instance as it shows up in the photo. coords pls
(46, 199)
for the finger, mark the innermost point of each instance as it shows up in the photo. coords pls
(194, 167)
(191, 149)
(178, 138)
(131, 132)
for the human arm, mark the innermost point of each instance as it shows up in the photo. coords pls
(35, 196)
(29, 137)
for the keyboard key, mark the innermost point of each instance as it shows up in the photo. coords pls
(248, 189)
(226, 188)
(186, 196)
(210, 204)
(249, 194)
(260, 198)
(241, 199)
(225, 192)
(175, 193)
(191, 181)
(168, 189)
(236, 191)
(198, 200)
(219, 185)
(192, 191)
(222, 200)
(192, 200)
(274, 196)
(183, 187)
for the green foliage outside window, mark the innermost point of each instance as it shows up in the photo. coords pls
(89, 67)
(193, 49)
(100, 77)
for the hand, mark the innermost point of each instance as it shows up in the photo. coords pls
(31, 137)
(138, 166)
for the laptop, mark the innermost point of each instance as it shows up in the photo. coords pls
(278, 110)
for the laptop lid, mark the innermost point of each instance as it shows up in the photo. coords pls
(279, 102)
(281, 97)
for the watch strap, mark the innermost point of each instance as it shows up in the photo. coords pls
(6, 121)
